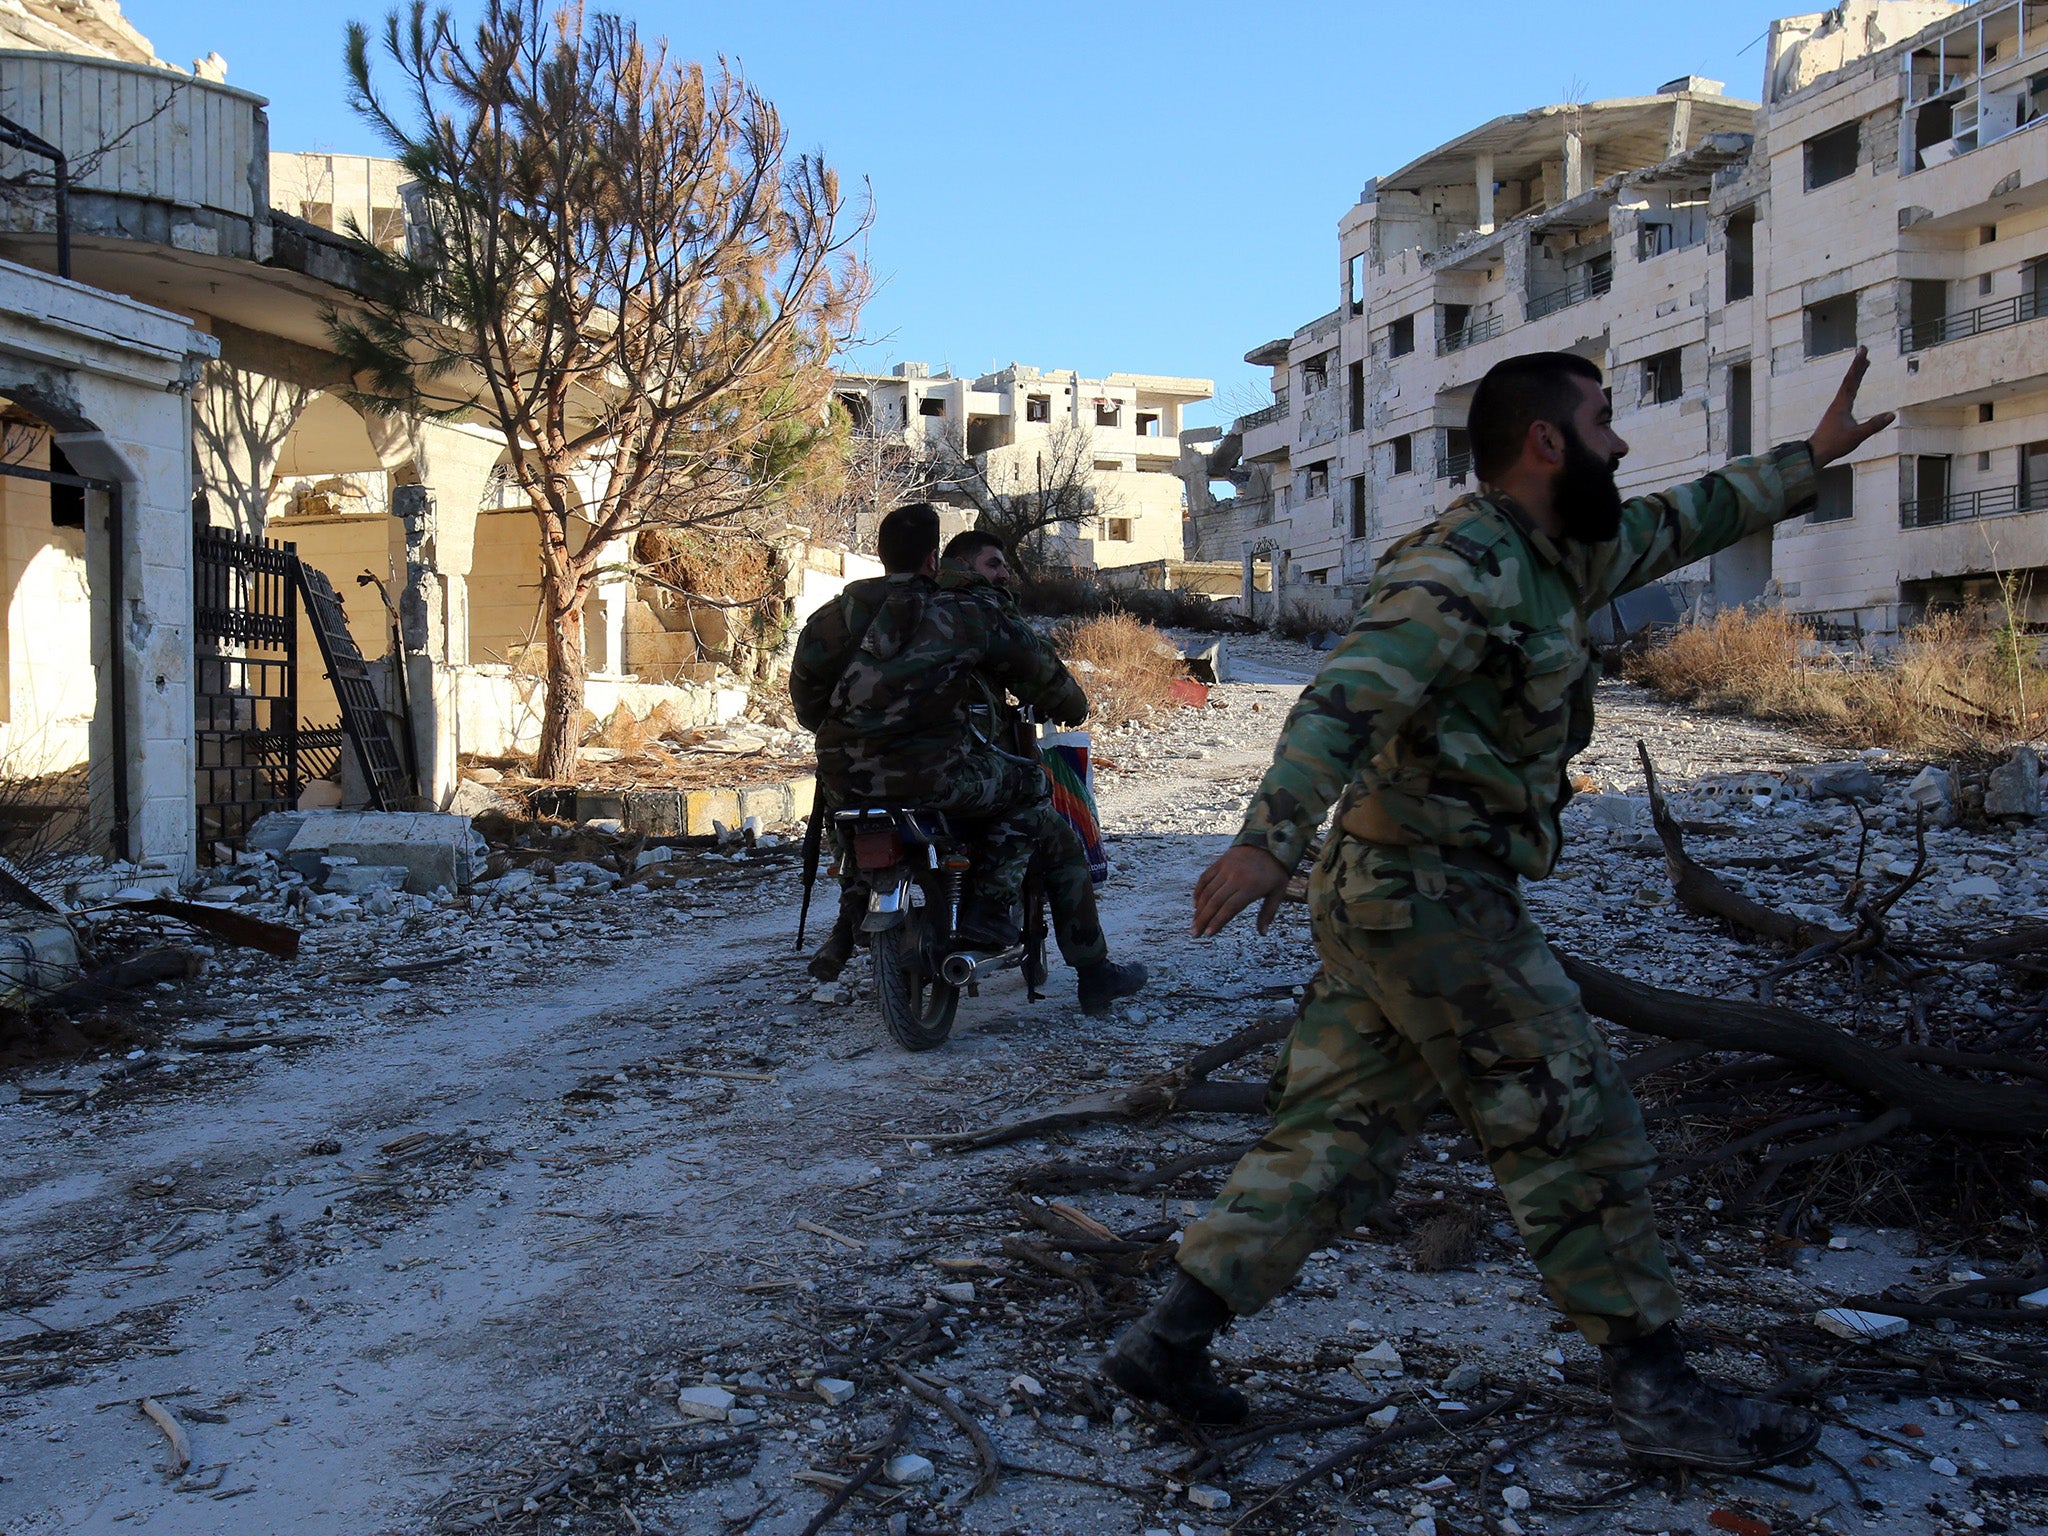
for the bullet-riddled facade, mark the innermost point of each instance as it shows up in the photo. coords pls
(1720, 259)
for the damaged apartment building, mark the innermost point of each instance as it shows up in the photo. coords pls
(1720, 260)
(1015, 430)
(196, 513)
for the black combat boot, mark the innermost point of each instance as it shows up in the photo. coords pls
(831, 956)
(985, 925)
(1105, 981)
(1669, 1417)
(1164, 1356)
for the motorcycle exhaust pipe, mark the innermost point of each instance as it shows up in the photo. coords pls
(960, 969)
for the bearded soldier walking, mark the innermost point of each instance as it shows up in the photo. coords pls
(1440, 730)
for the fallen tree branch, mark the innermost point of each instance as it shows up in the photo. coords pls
(1989, 1110)
(984, 1448)
(869, 1471)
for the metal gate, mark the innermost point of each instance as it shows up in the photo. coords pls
(252, 754)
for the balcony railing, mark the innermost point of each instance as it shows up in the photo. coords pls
(1454, 466)
(2030, 305)
(1277, 411)
(1475, 330)
(1590, 285)
(1963, 506)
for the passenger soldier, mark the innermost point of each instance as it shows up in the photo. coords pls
(900, 679)
(1440, 729)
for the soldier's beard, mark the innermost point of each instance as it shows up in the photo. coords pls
(1587, 500)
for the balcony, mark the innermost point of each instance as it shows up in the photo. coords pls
(1972, 322)
(1475, 330)
(1455, 465)
(1965, 506)
(155, 155)
(1588, 285)
(1277, 411)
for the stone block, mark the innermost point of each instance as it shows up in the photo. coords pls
(274, 833)
(656, 812)
(803, 794)
(434, 847)
(2014, 786)
(1858, 1327)
(600, 806)
(767, 804)
(357, 879)
(705, 810)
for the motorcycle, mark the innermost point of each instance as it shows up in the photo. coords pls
(912, 865)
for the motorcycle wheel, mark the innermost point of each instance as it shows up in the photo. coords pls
(917, 1006)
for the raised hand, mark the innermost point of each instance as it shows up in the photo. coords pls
(1840, 433)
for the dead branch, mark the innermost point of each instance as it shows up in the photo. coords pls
(984, 1448)
(1068, 1178)
(1991, 1110)
(178, 1454)
(869, 1471)
(1183, 1090)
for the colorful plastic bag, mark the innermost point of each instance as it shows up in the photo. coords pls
(1064, 755)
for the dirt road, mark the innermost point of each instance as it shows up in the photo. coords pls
(449, 1263)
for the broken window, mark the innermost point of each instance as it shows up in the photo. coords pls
(1361, 508)
(1741, 421)
(1315, 374)
(1038, 407)
(1663, 378)
(1354, 380)
(1404, 454)
(387, 226)
(1148, 423)
(1117, 530)
(1933, 124)
(321, 214)
(1457, 460)
(1318, 480)
(1654, 239)
(1401, 337)
(931, 405)
(1831, 156)
(1741, 256)
(1834, 495)
(1831, 325)
(856, 409)
(1109, 413)
(1354, 284)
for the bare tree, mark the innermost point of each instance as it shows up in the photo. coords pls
(620, 267)
(857, 477)
(1027, 500)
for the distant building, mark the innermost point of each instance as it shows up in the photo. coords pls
(1720, 260)
(1010, 425)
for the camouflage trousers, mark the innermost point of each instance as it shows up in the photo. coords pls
(1006, 809)
(1438, 986)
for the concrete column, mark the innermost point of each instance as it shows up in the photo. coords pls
(1248, 588)
(1482, 176)
(1681, 128)
(1577, 163)
(424, 633)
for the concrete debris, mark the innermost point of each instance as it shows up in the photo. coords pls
(705, 1402)
(836, 1392)
(1202, 1496)
(1859, 1327)
(2014, 787)
(908, 1470)
(1840, 781)
(1933, 790)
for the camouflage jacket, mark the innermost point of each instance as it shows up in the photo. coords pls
(829, 638)
(1466, 682)
(916, 703)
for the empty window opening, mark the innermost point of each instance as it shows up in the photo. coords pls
(931, 405)
(1109, 466)
(1315, 375)
(856, 409)
(1404, 454)
(1987, 410)
(1831, 325)
(1117, 530)
(984, 433)
(1401, 337)
(1663, 378)
(1109, 413)
(387, 226)
(1148, 423)
(1457, 462)
(67, 502)
(1741, 257)
(1361, 508)
(1741, 420)
(1038, 407)
(321, 214)
(1354, 284)
(1354, 383)
(1985, 284)
(1834, 495)
(1318, 481)
(1831, 156)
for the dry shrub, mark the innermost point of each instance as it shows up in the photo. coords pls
(1953, 685)
(1129, 669)
(1448, 1241)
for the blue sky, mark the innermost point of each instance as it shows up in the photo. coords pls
(1105, 187)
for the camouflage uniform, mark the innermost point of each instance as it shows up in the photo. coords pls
(912, 717)
(1444, 722)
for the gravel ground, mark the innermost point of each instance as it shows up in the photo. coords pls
(443, 1256)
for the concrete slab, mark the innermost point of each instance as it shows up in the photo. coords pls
(36, 958)
(434, 847)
